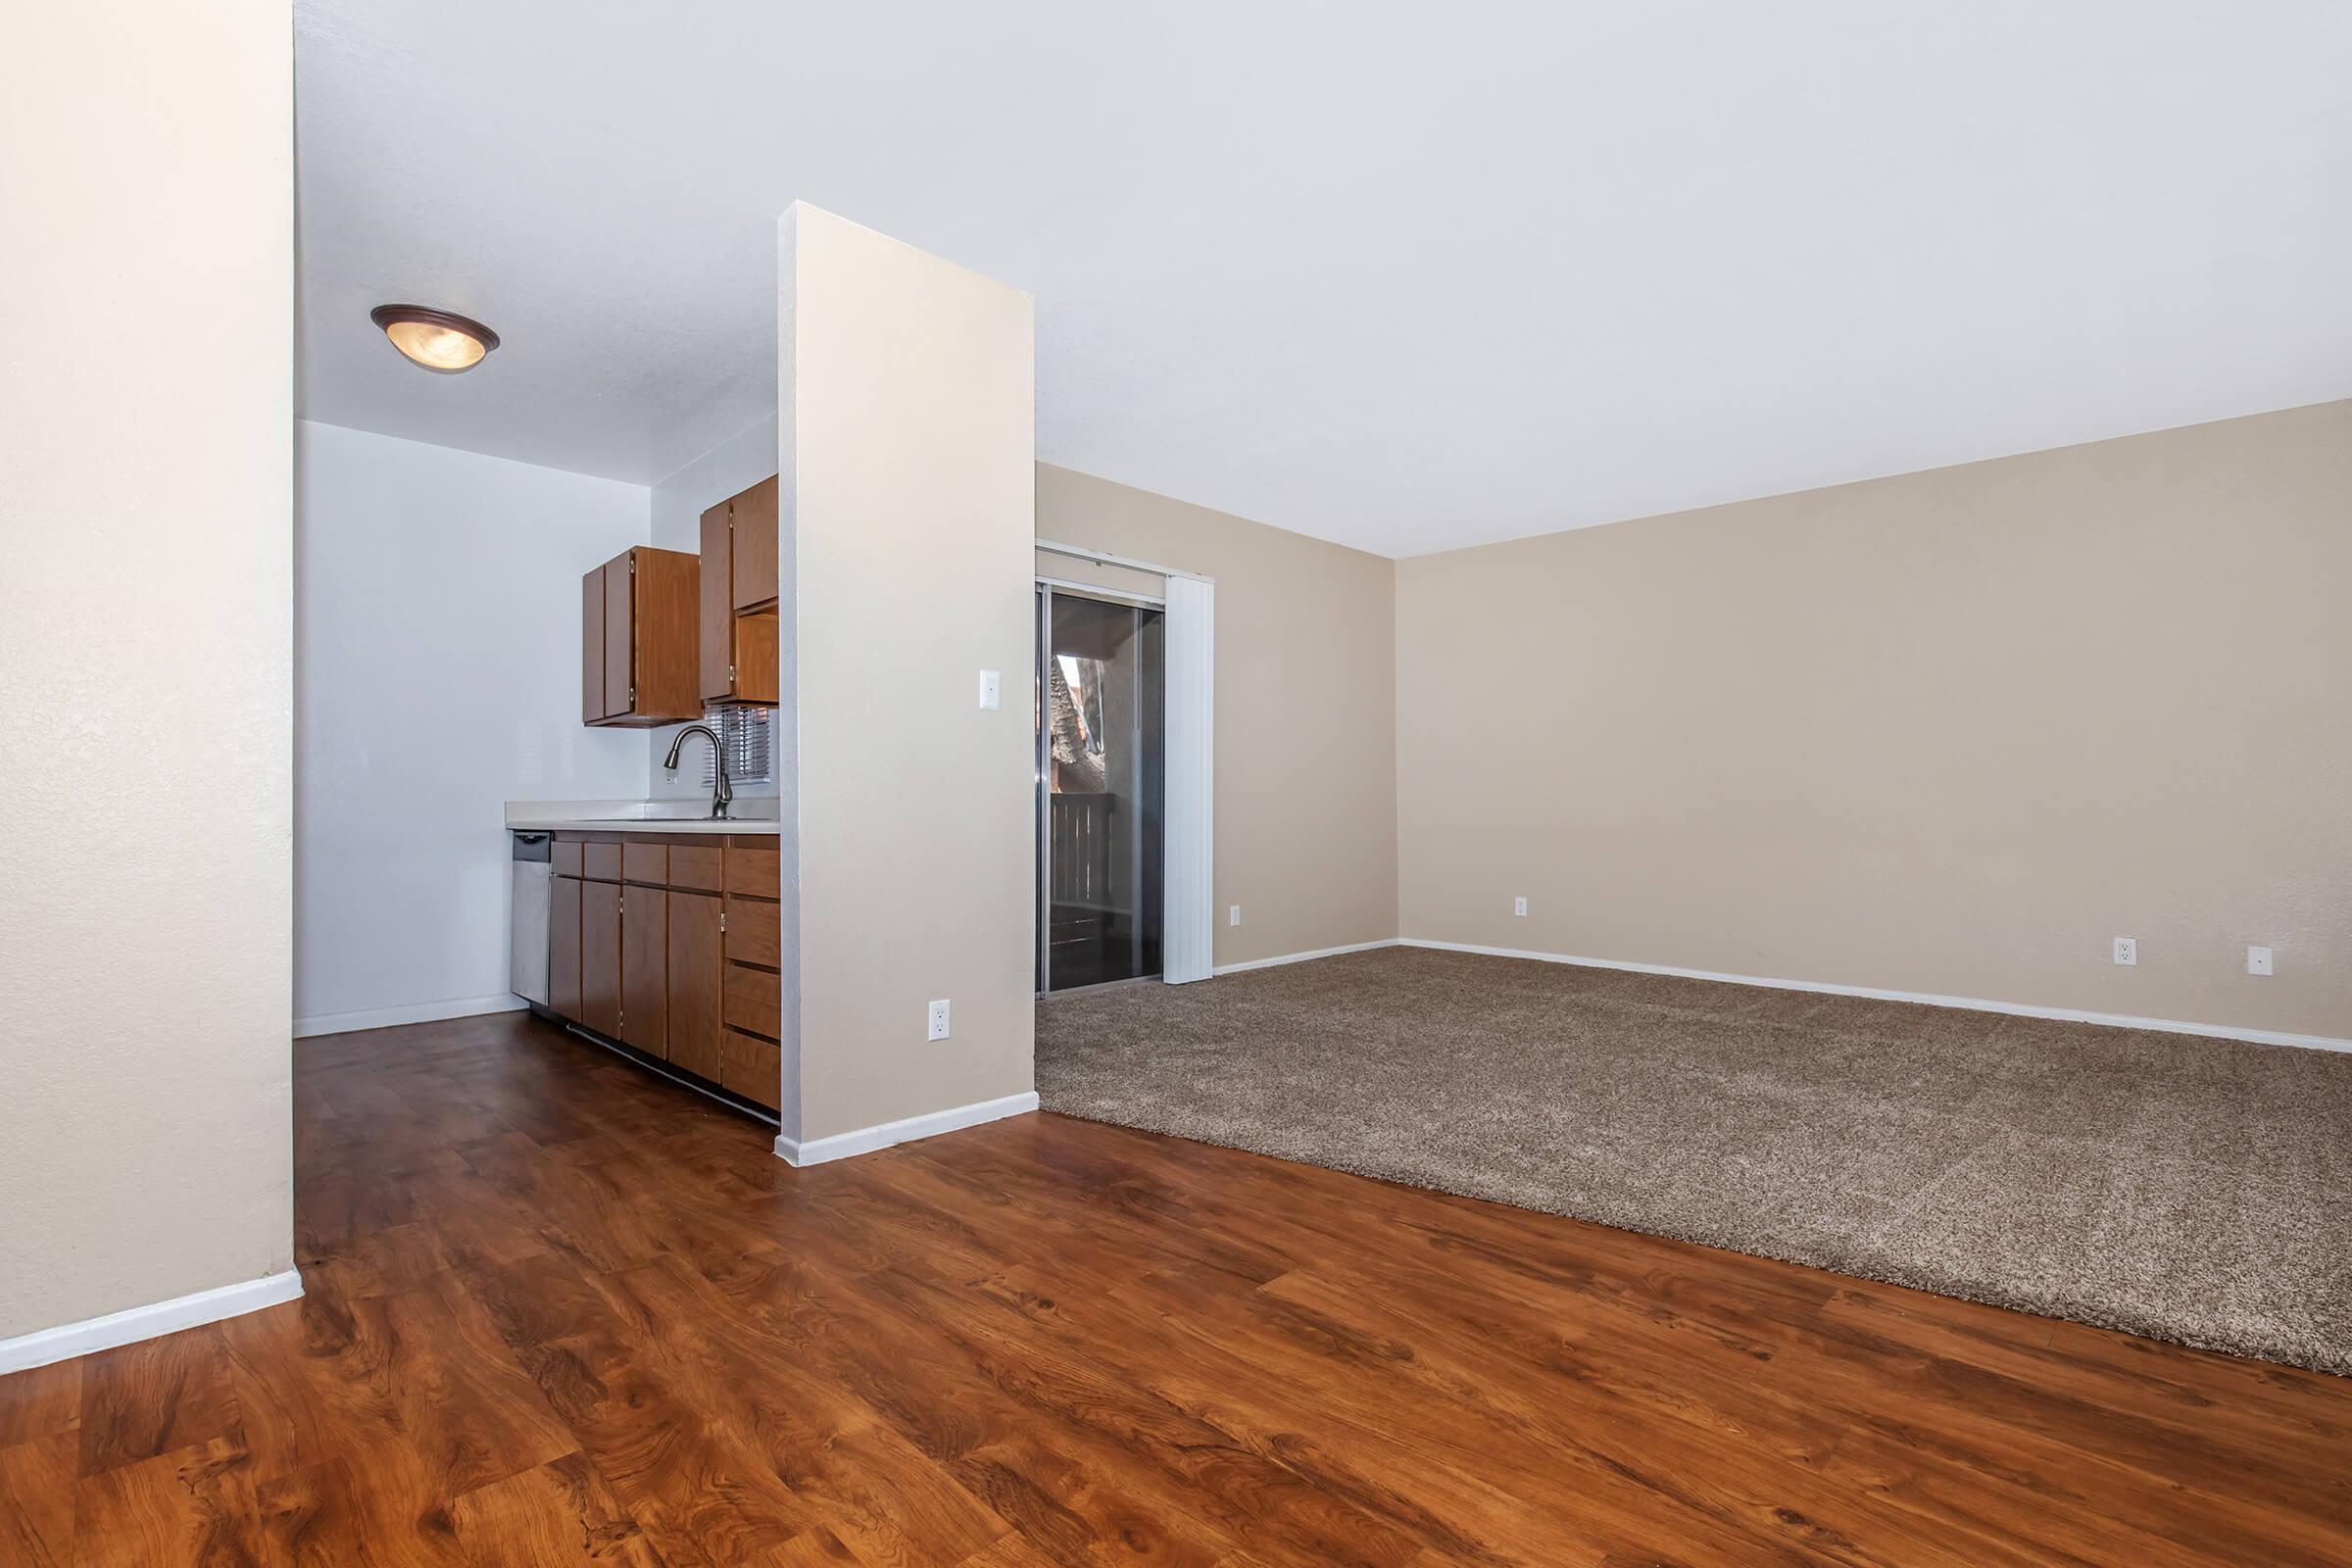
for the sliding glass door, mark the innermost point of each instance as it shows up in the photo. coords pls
(1100, 765)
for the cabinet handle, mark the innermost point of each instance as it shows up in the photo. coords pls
(722, 922)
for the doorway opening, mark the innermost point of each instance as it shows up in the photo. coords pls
(1102, 767)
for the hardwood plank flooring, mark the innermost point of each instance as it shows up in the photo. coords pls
(560, 1311)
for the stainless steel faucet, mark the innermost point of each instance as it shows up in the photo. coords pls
(722, 793)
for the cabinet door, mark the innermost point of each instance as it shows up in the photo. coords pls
(599, 957)
(755, 516)
(592, 647)
(645, 970)
(563, 947)
(695, 982)
(757, 669)
(715, 630)
(665, 597)
(620, 636)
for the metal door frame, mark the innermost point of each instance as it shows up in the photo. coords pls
(1045, 588)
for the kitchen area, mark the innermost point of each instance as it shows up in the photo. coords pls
(514, 666)
(652, 928)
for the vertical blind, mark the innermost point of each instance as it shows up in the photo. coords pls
(745, 733)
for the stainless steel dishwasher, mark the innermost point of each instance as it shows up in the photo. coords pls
(526, 926)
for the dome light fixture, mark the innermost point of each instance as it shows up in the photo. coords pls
(441, 341)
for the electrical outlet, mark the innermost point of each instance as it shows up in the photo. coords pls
(992, 690)
(2126, 950)
(1233, 917)
(939, 1020)
(2258, 961)
(1519, 906)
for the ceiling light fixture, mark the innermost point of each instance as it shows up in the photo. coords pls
(441, 341)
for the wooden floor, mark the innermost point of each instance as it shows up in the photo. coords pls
(558, 1311)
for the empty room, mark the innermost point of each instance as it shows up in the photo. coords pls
(975, 786)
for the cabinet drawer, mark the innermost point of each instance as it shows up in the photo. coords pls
(753, 871)
(752, 936)
(754, 1001)
(753, 1068)
(696, 866)
(564, 858)
(643, 863)
(600, 862)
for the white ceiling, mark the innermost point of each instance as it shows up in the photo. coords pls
(1406, 277)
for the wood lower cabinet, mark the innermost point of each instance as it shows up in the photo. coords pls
(671, 945)
(564, 945)
(645, 970)
(599, 957)
(697, 962)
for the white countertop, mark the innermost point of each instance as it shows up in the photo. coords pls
(638, 816)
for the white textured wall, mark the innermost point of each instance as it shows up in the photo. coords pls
(145, 655)
(438, 672)
(678, 503)
(909, 390)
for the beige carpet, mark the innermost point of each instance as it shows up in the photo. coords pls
(2191, 1189)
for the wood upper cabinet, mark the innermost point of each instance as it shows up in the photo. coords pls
(738, 597)
(756, 515)
(645, 970)
(600, 957)
(639, 636)
(592, 649)
(696, 982)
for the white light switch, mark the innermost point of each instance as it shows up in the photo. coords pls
(1233, 917)
(2258, 961)
(992, 689)
(939, 1020)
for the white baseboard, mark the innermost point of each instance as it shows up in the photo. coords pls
(866, 1140)
(343, 1023)
(2021, 1009)
(69, 1339)
(1302, 958)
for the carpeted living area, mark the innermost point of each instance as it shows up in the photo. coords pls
(2182, 1186)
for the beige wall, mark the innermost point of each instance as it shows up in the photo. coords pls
(909, 434)
(1949, 732)
(1305, 708)
(146, 429)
